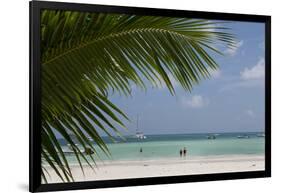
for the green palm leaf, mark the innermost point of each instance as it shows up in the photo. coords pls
(87, 56)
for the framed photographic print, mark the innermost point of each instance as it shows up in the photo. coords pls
(124, 96)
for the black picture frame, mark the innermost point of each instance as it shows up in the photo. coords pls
(35, 97)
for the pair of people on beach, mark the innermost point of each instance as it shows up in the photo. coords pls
(183, 152)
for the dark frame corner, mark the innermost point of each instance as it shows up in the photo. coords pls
(35, 98)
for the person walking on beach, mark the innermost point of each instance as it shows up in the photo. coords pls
(181, 152)
(184, 151)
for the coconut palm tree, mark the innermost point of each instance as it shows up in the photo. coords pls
(86, 57)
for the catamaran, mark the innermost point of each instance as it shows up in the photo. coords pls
(139, 134)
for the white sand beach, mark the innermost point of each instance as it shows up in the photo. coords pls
(165, 167)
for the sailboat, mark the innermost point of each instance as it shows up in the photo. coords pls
(139, 134)
(261, 135)
(243, 136)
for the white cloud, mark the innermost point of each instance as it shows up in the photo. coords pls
(196, 101)
(250, 113)
(249, 77)
(232, 51)
(256, 72)
(242, 84)
(214, 73)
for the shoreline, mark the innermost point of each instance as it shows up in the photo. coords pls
(109, 170)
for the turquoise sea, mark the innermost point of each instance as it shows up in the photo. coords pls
(169, 145)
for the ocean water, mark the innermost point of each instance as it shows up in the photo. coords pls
(168, 146)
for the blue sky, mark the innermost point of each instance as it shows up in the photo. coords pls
(231, 101)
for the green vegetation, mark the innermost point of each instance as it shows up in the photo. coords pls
(87, 56)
